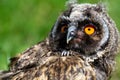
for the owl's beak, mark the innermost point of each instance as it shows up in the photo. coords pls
(71, 33)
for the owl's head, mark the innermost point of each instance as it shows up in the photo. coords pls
(83, 28)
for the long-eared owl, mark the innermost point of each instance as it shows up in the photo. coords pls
(81, 46)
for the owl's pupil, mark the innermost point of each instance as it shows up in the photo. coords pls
(88, 29)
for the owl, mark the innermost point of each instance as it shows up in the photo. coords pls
(82, 45)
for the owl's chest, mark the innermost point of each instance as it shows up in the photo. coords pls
(60, 68)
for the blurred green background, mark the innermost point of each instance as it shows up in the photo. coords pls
(23, 23)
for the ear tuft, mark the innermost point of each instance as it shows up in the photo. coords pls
(70, 3)
(101, 7)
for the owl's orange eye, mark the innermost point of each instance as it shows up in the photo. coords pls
(89, 29)
(63, 29)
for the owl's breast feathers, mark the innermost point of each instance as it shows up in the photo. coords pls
(58, 68)
(39, 63)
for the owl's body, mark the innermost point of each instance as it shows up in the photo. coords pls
(32, 65)
(81, 46)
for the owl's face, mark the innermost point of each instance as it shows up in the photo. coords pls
(81, 28)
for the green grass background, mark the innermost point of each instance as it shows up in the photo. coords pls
(23, 23)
